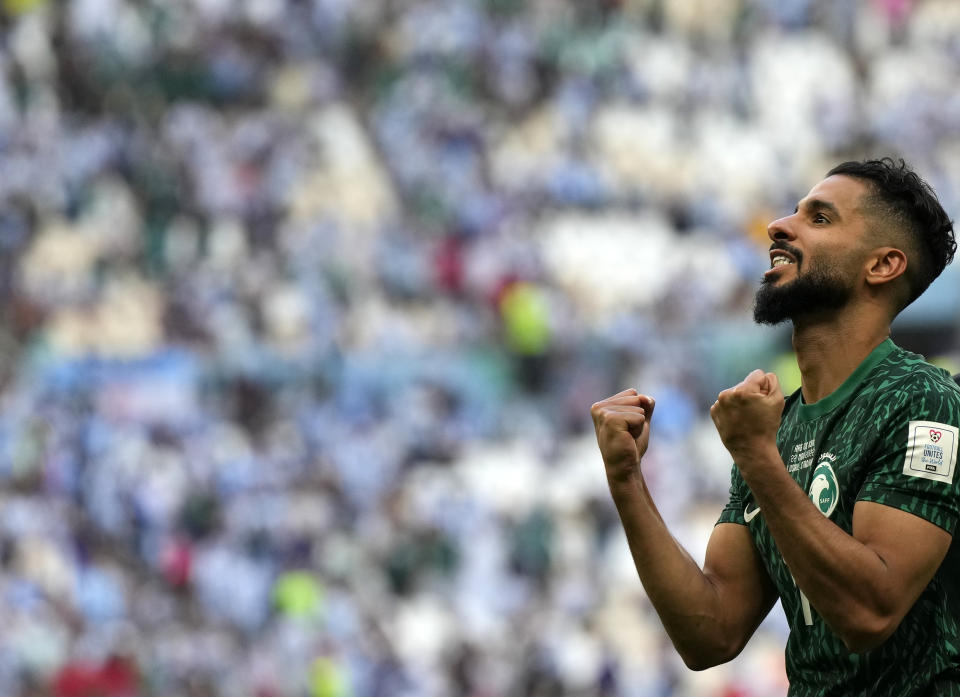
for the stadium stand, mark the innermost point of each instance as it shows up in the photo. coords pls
(305, 304)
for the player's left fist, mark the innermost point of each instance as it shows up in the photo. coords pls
(747, 416)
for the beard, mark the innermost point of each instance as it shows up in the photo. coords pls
(821, 289)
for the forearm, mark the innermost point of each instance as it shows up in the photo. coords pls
(845, 581)
(685, 598)
(708, 614)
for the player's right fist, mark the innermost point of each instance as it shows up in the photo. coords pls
(622, 423)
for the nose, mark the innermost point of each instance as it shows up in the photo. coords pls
(781, 229)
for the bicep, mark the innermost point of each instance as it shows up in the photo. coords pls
(744, 590)
(910, 548)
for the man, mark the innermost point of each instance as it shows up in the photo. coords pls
(845, 496)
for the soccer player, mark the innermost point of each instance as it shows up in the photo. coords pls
(844, 496)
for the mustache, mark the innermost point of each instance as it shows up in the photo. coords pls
(784, 247)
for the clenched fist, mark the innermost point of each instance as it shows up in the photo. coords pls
(747, 416)
(622, 423)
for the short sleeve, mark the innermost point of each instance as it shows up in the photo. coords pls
(733, 511)
(915, 463)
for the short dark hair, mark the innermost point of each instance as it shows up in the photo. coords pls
(902, 198)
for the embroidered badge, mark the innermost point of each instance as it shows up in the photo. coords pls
(931, 451)
(824, 489)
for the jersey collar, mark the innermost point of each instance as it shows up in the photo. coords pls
(807, 412)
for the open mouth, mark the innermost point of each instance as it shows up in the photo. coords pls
(782, 254)
(780, 259)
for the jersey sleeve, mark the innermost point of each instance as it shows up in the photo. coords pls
(733, 511)
(915, 466)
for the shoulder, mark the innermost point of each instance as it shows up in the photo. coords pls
(906, 387)
(904, 374)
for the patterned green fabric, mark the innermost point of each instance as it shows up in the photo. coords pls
(888, 435)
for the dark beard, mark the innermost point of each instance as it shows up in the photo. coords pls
(820, 290)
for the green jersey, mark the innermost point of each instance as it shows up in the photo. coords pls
(888, 435)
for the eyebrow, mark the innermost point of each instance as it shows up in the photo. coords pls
(818, 204)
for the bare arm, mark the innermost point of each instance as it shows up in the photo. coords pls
(862, 585)
(709, 614)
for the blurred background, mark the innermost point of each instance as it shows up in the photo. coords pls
(305, 303)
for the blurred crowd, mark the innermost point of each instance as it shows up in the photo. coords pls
(305, 303)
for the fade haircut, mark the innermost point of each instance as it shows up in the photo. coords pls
(901, 199)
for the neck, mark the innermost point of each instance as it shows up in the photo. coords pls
(829, 349)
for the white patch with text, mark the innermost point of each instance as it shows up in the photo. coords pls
(931, 451)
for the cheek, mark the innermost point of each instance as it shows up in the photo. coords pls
(836, 259)
(856, 263)
(839, 266)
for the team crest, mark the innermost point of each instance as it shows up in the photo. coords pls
(824, 489)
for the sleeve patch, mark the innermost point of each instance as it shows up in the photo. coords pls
(931, 451)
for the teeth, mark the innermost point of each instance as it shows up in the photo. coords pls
(780, 261)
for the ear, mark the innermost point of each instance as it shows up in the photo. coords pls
(884, 265)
